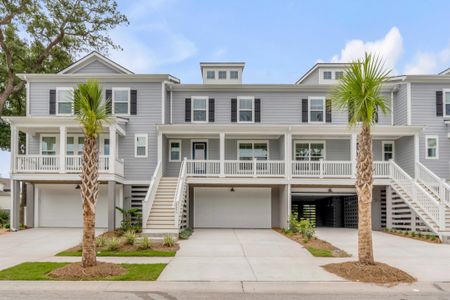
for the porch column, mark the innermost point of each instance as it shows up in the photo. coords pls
(353, 148)
(29, 221)
(416, 152)
(111, 205)
(222, 154)
(288, 154)
(388, 207)
(62, 149)
(15, 204)
(112, 147)
(160, 146)
(14, 147)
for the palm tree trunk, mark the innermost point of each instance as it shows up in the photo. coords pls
(364, 184)
(89, 193)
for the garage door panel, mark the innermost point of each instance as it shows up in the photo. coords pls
(222, 208)
(62, 207)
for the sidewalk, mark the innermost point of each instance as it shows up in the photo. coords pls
(110, 259)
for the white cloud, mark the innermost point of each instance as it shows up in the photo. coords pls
(429, 63)
(390, 48)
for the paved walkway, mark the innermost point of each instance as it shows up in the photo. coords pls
(35, 244)
(115, 259)
(244, 255)
(423, 260)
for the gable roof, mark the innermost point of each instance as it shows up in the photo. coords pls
(445, 72)
(317, 66)
(95, 56)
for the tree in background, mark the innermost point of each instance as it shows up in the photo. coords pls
(359, 93)
(50, 28)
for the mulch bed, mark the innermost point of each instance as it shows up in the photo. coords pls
(418, 238)
(315, 243)
(3, 231)
(378, 273)
(77, 272)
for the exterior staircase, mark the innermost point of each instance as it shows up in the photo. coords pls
(161, 220)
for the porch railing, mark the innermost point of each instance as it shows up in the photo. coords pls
(322, 168)
(236, 168)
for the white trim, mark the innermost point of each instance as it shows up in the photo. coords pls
(113, 100)
(170, 151)
(392, 108)
(206, 98)
(253, 142)
(383, 152)
(28, 108)
(56, 136)
(443, 102)
(57, 100)
(309, 142)
(136, 136)
(239, 98)
(199, 141)
(408, 102)
(427, 137)
(323, 110)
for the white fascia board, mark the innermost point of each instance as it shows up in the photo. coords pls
(69, 121)
(56, 78)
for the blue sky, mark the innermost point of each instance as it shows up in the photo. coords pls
(278, 40)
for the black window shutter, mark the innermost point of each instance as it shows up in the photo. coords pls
(234, 110)
(304, 110)
(328, 110)
(350, 111)
(52, 102)
(187, 110)
(211, 110)
(376, 115)
(108, 96)
(257, 110)
(133, 102)
(439, 104)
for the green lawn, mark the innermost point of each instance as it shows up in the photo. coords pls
(39, 271)
(319, 252)
(143, 253)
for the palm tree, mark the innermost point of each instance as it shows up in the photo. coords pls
(359, 92)
(91, 112)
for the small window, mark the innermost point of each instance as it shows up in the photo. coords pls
(309, 151)
(234, 75)
(210, 74)
(222, 74)
(447, 103)
(432, 145)
(106, 146)
(140, 145)
(174, 150)
(388, 151)
(316, 110)
(253, 150)
(64, 101)
(48, 145)
(121, 101)
(200, 109)
(246, 109)
(338, 75)
(327, 75)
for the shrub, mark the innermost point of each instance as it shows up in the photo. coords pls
(413, 234)
(4, 218)
(294, 225)
(127, 219)
(145, 243)
(130, 237)
(113, 244)
(100, 241)
(419, 234)
(307, 229)
(185, 234)
(168, 241)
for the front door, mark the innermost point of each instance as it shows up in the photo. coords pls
(199, 152)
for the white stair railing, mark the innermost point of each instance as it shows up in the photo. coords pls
(180, 193)
(434, 183)
(151, 192)
(430, 206)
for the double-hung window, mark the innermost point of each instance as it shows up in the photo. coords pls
(432, 145)
(246, 109)
(316, 109)
(309, 150)
(175, 150)
(64, 101)
(388, 151)
(141, 145)
(121, 101)
(250, 150)
(200, 109)
(446, 102)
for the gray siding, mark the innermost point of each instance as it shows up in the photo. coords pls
(96, 67)
(404, 154)
(400, 106)
(313, 78)
(423, 99)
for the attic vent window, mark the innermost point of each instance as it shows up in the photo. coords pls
(234, 75)
(327, 75)
(222, 74)
(210, 74)
(338, 75)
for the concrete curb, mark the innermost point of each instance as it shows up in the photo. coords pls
(111, 259)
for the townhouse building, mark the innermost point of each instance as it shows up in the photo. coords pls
(225, 154)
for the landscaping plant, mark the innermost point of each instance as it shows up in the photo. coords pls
(145, 243)
(4, 218)
(130, 237)
(358, 92)
(307, 229)
(185, 233)
(100, 241)
(168, 241)
(127, 219)
(91, 112)
(294, 225)
(113, 244)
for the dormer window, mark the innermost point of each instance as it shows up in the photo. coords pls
(234, 75)
(338, 75)
(210, 74)
(327, 75)
(222, 74)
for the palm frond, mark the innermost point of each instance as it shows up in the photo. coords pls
(359, 90)
(89, 107)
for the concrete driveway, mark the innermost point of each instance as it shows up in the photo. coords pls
(35, 244)
(244, 255)
(423, 260)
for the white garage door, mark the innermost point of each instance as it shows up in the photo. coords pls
(223, 208)
(60, 206)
